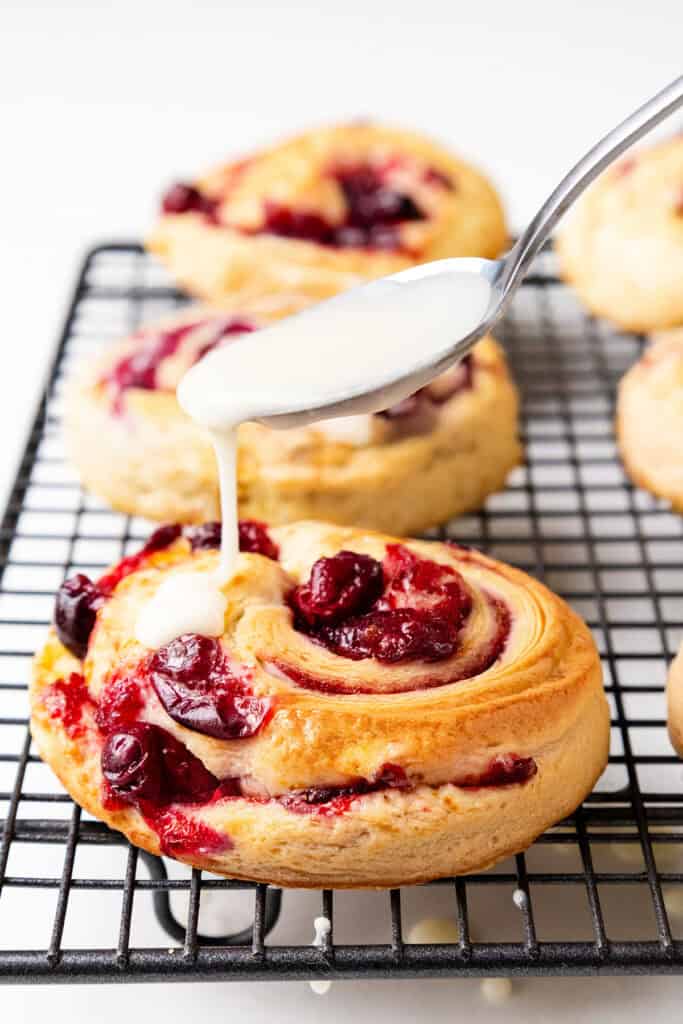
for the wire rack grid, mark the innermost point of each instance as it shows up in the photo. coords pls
(600, 893)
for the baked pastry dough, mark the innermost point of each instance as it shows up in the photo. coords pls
(324, 211)
(650, 418)
(674, 697)
(623, 247)
(432, 457)
(376, 712)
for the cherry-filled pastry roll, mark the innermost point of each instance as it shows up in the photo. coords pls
(650, 418)
(622, 248)
(376, 712)
(435, 455)
(674, 695)
(324, 211)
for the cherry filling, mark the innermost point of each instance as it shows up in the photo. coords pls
(374, 210)
(140, 369)
(407, 608)
(253, 538)
(503, 770)
(65, 701)
(337, 799)
(196, 686)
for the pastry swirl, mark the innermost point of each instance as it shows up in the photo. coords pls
(377, 712)
(324, 211)
(439, 453)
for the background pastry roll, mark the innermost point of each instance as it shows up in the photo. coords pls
(324, 211)
(439, 453)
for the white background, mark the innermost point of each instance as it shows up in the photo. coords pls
(103, 105)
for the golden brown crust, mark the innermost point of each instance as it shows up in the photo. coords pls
(217, 261)
(383, 481)
(674, 696)
(542, 698)
(650, 419)
(623, 247)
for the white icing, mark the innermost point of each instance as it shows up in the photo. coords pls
(519, 899)
(360, 345)
(496, 991)
(355, 430)
(187, 602)
(323, 927)
(369, 348)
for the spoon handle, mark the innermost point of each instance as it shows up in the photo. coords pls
(600, 156)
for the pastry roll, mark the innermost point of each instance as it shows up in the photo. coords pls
(376, 711)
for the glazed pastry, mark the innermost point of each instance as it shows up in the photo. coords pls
(674, 696)
(324, 211)
(623, 248)
(650, 418)
(375, 713)
(433, 456)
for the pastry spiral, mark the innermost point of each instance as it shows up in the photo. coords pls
(324, 211)
(623, 248)
(377, 712)
(439, 453)
(650, 418)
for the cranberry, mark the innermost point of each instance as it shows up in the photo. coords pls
(65, 700)
(76, 606)
(208, 535)
(145, 763)
(184, 198)
(303, 224)
(194, 683)
(254, 538)
(419, 583)
(162, 537)
(371, 202)
(185, 777)
(400, 634)
(345, 584)
(131, 763)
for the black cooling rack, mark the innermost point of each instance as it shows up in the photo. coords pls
(601, 892)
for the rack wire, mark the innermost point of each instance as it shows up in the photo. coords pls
(600, 893)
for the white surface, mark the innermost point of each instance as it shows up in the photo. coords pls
(103, 104)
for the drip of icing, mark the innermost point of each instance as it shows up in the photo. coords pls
(372, 345)
(323, 927)
(184, 603)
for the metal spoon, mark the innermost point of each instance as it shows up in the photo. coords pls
(301, 400)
